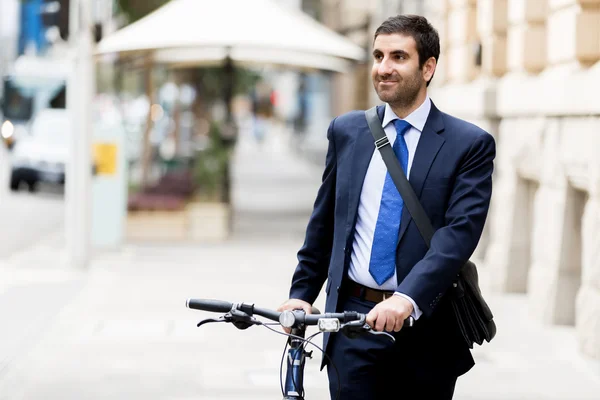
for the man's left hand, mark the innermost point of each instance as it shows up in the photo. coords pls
(390, 314)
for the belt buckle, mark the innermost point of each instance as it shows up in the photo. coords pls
(386, 295)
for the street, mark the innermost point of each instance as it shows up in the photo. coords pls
(28, 217)
(121, 329)
(32, 288)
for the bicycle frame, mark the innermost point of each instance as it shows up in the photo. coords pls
(296, 359)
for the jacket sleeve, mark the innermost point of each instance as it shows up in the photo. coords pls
(452, 245)
(314, 255)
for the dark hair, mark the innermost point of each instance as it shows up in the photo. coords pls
(416, 26)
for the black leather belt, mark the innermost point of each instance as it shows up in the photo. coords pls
(362, 292)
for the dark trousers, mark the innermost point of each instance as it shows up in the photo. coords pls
(372, 367)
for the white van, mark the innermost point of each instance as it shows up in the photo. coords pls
(42, 155)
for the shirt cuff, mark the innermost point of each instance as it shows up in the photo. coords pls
(416, 314)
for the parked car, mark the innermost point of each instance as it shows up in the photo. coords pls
(41, 156)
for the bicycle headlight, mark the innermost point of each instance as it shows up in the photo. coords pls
(287, 319)
(329, 324)
(7, 129)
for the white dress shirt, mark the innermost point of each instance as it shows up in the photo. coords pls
(370, 199)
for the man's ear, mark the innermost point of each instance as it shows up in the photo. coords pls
(429, 69)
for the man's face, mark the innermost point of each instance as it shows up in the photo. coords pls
(396, 75)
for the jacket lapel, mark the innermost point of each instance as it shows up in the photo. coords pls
(429, 145)
(364, 146)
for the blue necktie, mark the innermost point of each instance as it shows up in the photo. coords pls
(383, 252)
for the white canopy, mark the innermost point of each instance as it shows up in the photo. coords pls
(196, 32)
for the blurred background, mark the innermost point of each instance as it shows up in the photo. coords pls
(158, 150)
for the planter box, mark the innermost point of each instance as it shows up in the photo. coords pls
(208, 221)
(198, 222)
(157, 225)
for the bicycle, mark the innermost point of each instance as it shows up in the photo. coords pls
(241, 315)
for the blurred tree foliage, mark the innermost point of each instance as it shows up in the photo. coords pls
(210, 81)
(137, 9)
(210, 167)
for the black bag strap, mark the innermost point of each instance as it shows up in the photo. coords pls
(409, 196)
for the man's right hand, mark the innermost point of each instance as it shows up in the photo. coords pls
(294, 304)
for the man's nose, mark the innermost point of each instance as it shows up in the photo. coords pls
(385, 67)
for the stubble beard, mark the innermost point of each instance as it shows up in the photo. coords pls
(404, 96)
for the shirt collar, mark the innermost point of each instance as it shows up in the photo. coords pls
(417, 118)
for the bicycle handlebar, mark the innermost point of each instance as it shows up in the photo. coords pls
(351, 323)
(209, 305)
(224, 306)
(287, 318)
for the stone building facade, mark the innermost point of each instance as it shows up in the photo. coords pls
(528, 72)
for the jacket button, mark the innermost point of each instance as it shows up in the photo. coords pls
(337, 289)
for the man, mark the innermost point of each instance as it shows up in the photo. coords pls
(363, 241)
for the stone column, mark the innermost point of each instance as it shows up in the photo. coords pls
(587, 318)
(587, 307)
(518, 165)
(550, 222)
(565, 222)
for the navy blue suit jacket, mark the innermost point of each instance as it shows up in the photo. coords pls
(452, 176)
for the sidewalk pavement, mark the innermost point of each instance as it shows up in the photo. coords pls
(126, 334)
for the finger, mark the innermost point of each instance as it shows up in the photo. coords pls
(287, 305)
(390, 323)
(399, 324)
(381, 321)
(294, 304)
(371, 318)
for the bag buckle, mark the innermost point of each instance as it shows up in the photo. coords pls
(384, 141)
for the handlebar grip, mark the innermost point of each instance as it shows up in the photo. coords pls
(208, 305)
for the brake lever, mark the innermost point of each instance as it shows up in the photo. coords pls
(389, 335)
(209, 320)
(355, 329)
(239, 319)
